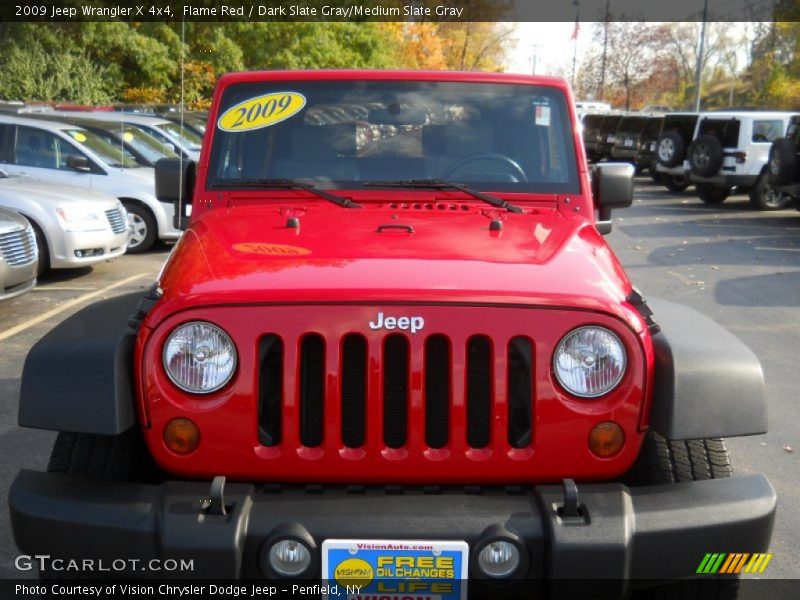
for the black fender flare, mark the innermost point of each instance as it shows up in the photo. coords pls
(708, 383)
(80, 376)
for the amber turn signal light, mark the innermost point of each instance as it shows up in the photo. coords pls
(182, 436)
(606, 439)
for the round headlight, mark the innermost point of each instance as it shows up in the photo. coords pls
(498, 559)
(289, 558)
(589, 361)
(199, 357)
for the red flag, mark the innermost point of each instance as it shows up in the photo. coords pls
(575, 31)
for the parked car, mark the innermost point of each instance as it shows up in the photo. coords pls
(195, 121)
(430, 340)
(608, 135)
(184, 140)
(73, 227)
(677, 134)
(64, 154)
(18, 256)
(591, 135)
(648, 143)
(783, 166)
(133, 141)
(730, 150)
(591, 106)
(627, 139)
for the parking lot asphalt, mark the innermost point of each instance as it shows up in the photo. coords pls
(735, 265)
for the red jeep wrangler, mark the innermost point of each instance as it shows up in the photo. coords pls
(393, 327)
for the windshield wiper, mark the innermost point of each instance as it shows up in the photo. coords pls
(439, 184)
(288, 184)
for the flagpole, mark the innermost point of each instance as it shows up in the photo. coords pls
(577, 6)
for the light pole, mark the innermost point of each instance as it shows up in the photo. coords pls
(577, 6)
(699, 70)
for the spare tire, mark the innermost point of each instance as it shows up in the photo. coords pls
(670, 149)
(705, 155)
(782, 165)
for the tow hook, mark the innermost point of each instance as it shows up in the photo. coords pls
(216, 505)
(571, 510)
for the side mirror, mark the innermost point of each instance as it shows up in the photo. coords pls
(612, 187)
(175, 184)
(79, 163)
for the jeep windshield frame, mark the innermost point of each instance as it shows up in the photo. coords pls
(498, 137)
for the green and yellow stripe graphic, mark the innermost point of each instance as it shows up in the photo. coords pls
(733, 563)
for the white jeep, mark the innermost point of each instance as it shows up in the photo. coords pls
(730, 150)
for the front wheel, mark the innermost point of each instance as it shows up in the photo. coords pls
(121, 457)
(43, 251)
(765, 196)
(143, 228)
(663, 461)
(712, 194)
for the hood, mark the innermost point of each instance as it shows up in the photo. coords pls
(22, 189)
(384, 253)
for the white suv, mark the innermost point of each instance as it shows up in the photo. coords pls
(730, 150)
(65, 154)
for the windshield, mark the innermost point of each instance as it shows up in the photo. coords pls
(188, 138)
(344, 134)
(145, 144)
(111, 154)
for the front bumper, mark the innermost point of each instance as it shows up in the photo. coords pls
(621, 534)
(16, 280)
(99, 245)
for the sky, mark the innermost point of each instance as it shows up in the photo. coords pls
(550, 43)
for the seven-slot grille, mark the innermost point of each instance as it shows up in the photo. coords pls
(18, 247)
(116, 220)
(375, 373)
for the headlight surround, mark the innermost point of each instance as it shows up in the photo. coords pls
(74, 219)
(589, 361)
(199, 357)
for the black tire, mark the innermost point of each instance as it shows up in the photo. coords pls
(766, 196)
(705, 155)
(672, 461)
(43, 250)
(675, 183)
(663, 461)
(782, 165)
(655, 174)
(145, 229)
(712, 194)
(670, 149)
(121, 457)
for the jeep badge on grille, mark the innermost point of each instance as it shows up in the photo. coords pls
(415, 324)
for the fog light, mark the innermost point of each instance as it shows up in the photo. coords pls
(289, 558)
(606, 439)
(182, 436)
(498, 559)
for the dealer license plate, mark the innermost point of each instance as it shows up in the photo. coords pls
(395, 569)
(628, 143)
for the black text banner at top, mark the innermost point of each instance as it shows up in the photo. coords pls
(397, 10)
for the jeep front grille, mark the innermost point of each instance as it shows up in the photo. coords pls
(116, 220)
(375, 377)
(18, 247)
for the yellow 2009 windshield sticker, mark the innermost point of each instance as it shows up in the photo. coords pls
(261, 111)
